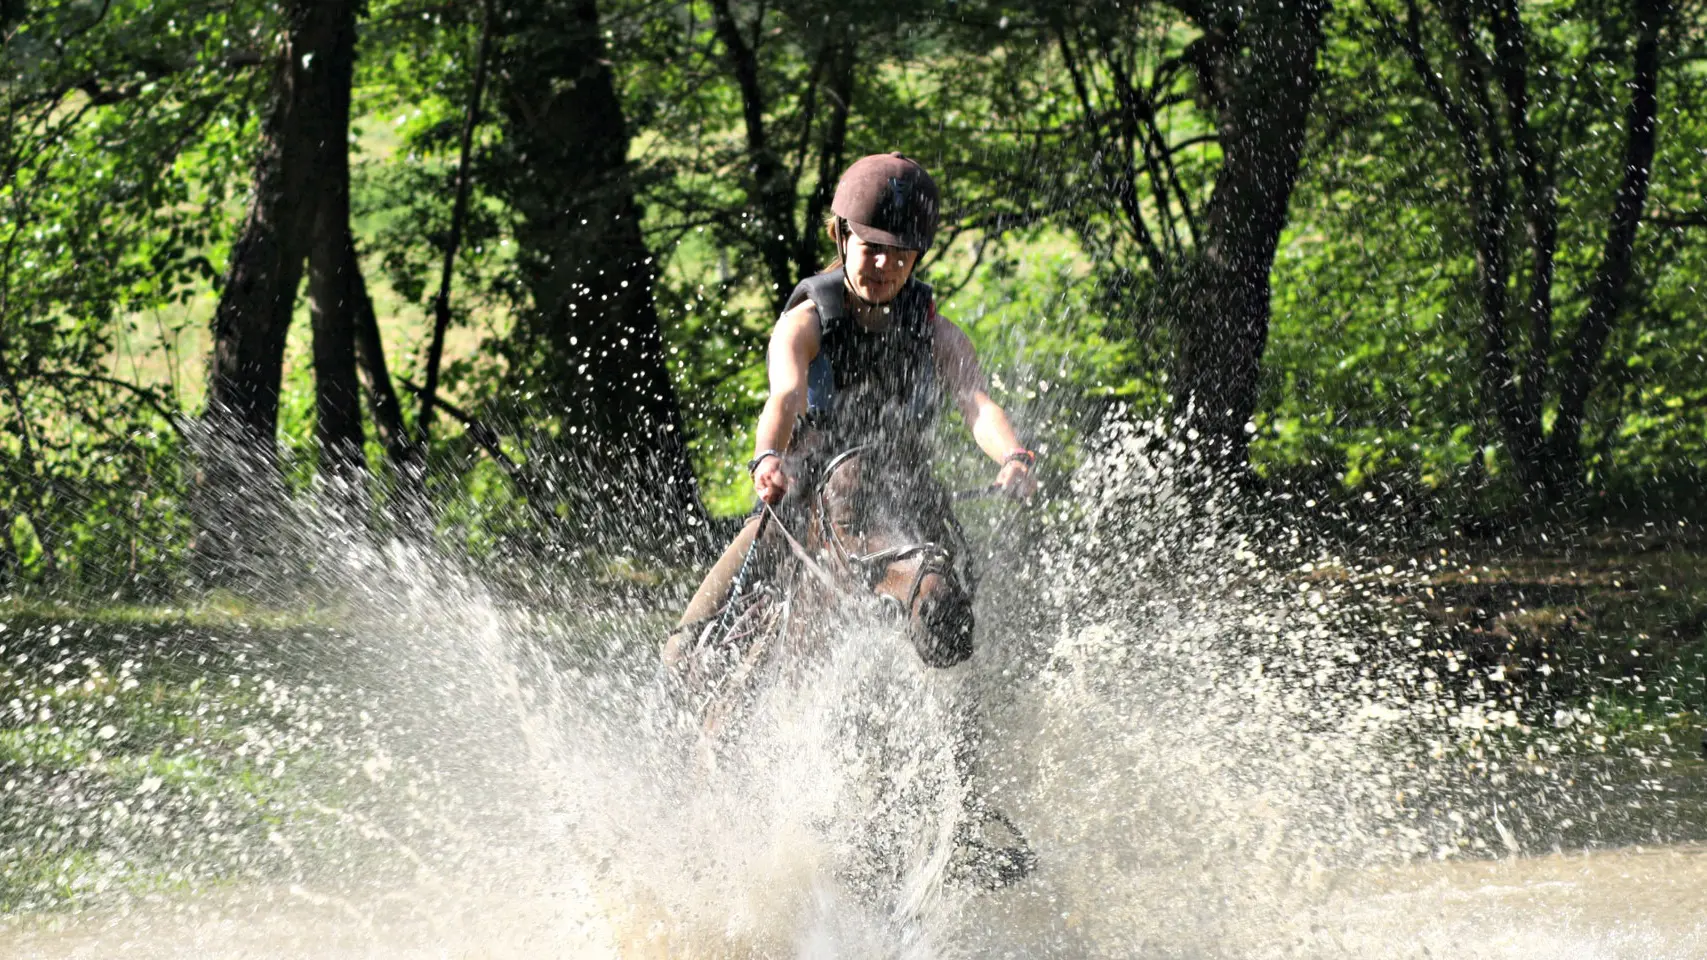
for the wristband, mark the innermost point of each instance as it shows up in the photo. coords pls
(1022, 454)
(761, 457)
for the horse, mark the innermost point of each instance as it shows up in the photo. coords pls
(864, 530)
(864, 526)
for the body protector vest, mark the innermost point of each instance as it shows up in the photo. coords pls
(864, 382)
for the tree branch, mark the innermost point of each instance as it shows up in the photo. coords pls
(947, 293)
(145, 394)
(1134, 216)
(830, 150)
(1138, 122)
(809, 112)
(483, 435)
(458, 220)
(773, 197)
(1409, 39)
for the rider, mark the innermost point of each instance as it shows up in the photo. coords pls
(865, 323)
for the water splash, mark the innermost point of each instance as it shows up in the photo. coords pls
(1221, 738)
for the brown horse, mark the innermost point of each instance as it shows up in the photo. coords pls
(889, 527)
(865, 530)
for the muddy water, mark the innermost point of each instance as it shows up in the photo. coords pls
(1626, 903)
(1633, 904)
(1213, 750)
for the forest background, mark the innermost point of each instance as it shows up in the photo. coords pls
(506, 269)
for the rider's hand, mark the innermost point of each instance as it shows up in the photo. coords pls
(1016, 480)
(769, 481)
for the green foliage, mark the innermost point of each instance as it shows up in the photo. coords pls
(123, 126)
(130, 127)
(1375, 349)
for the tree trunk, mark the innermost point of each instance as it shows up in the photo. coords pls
(771, 189)
(1607, 292)
(1547, 464)
(1511, 415)
(383, 403)
(40, 489)
(238, 481)
(1262, 67)
(592, 330)
(1517, 410)
(1540, 202)
(336, 293)
(10, 565)
(259, 293)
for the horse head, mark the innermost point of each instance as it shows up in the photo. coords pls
(886, 526)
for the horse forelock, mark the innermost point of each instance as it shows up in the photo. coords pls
(860, 501)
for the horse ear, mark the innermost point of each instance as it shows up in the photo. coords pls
(805, 455)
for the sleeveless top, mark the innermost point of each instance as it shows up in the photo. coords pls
(861, 379)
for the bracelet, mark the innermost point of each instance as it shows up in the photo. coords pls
(1021, 454)
(761, 457)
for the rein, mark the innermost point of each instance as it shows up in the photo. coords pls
(938, 558)
(804, 555)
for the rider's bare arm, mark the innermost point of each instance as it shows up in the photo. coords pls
(957, 366)
(794, 345)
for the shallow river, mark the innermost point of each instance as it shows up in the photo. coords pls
(1213, 750)
(1636, 904)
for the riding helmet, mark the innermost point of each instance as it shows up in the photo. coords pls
(888, 198)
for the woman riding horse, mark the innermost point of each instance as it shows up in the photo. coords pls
(865, 331)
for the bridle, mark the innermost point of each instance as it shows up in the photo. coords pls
(937, 558)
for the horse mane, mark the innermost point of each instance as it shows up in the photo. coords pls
(861, 417)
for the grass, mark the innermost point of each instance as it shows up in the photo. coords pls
(216, 609)
(142, 750)
(1612, 618)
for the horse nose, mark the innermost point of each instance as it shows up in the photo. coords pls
(946, 637)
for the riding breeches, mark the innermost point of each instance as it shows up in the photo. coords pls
(714, 589)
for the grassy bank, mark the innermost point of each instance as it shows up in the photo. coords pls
(143, 750)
